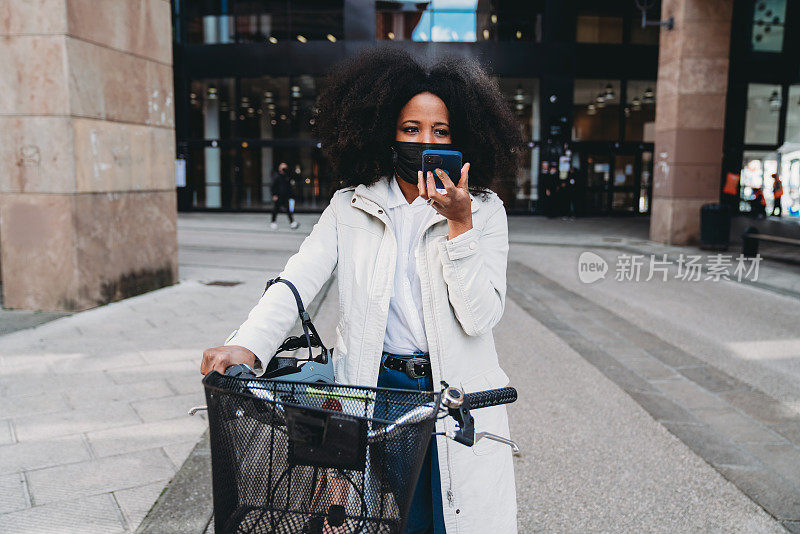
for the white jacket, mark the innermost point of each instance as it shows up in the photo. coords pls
(463, 290)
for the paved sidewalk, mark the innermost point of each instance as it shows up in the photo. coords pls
(92, 406)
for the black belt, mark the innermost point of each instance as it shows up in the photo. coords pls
(416, 367)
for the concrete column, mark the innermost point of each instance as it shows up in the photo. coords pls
(87, 150)
(690, 116)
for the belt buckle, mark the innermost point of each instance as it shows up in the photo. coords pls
(410, 369)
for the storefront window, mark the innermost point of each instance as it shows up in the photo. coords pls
(757, 170)
(769, 18)
(596, 110)
(240, 132)
(640, 111)
(763, 112)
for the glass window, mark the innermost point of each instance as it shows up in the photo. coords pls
(596, 110)
(793, 115)
(790, 176)
(757, 170)
(397, 21)
(769, 17)
(456, 21)
(317, 20)
(522, 96)
(763, 112)
(241, 177)
(278, 107)
(644, 36)
(640, 111)
(263, 21)
(598, 29)
(212, 109)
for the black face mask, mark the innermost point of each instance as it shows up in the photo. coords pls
(407, 158)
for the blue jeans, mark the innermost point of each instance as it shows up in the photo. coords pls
(426, 515)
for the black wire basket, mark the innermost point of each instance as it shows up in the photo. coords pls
(296, 457)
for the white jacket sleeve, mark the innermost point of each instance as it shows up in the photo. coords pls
(474, 268)
(308, 269)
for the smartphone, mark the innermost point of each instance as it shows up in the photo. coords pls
(447, 160)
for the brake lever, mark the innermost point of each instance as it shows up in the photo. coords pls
(495, 437)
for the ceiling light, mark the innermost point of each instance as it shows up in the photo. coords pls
(390, 35)
(485, 35)
(494, 18)
(331, 38)
(519, 34)
(591, 109)
(273, 40)
(301, 38)
(609, 92)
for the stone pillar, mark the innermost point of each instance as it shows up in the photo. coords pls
(87, 149)
(690, 116)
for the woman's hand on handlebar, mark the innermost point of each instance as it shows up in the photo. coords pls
(220, 358)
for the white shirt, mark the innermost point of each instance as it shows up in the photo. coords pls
(405, 326)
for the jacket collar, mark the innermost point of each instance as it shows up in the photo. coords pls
(379, 194)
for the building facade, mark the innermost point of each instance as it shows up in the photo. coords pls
(581, 76)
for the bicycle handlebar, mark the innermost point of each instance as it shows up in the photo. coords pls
(479, 399)
(491, 397)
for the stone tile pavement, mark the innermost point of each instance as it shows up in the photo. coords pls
(93, 406)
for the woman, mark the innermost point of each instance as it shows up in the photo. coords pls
(421, 271)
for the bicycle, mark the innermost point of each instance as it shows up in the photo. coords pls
(314, 457)
(298, 457)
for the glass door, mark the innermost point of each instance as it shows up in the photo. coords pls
(597, 178)
(624, 189)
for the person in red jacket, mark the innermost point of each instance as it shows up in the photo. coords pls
(758, 204)
(777, 193)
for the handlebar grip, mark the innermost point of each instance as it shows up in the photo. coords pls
(491, 397)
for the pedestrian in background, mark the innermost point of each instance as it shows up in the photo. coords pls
(777, 194)
(730, 193)
(758, 204)
(282, 194)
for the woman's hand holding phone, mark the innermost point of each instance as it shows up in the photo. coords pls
(454, 204)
